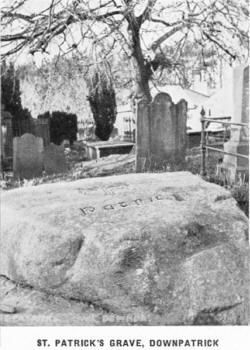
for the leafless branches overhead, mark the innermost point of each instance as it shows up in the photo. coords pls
(138, 28)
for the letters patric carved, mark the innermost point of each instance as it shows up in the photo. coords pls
(88, 210)
(108, 207)
(123, 204)
(138, 201)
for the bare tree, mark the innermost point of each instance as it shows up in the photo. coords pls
(137, 28)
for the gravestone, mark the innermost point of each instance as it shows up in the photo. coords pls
(41, 129)
(6, 150)
(28, 157)
(238, 167)
(163, 247)
(161, 133)
(54, 159)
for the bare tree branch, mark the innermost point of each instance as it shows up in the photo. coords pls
(223, 48)
(166, 36)
(130, 26)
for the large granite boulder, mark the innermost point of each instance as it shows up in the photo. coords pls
(169, 247)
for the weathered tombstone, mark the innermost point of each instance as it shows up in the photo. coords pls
(239, 141)
(6, 150)
(41, 129)
(161, 133)
(162, 247)
(28, 157)
(54, 159)
(142, 136)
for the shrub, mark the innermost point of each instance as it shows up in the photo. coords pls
(239, 191)
(241, 195)
(11, 99)
(62, 126)
(102, 102)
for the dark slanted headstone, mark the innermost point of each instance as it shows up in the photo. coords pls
(54, 159)
(41, 129)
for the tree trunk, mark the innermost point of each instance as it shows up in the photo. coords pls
(142, 90)
(142, 70)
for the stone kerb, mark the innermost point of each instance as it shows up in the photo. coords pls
(28, 157)
(161, 133)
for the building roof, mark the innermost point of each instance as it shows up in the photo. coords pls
(177, 93)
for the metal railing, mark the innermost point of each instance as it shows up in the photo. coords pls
(204, 146)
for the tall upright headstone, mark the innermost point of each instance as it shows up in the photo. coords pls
(143, 136)
(239, 140)
(54, 159)
(28, 156)
(161, 133)
(6, 150)
(41, 129)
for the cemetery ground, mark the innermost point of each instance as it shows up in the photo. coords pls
(128, 239)
(25, 305)
(137, 239)
(80, 168)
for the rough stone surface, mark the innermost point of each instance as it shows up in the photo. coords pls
(7, 309)
(170, 248)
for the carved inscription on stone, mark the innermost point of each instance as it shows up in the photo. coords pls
(87, 210)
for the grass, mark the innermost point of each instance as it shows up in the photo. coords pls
(239, 190)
